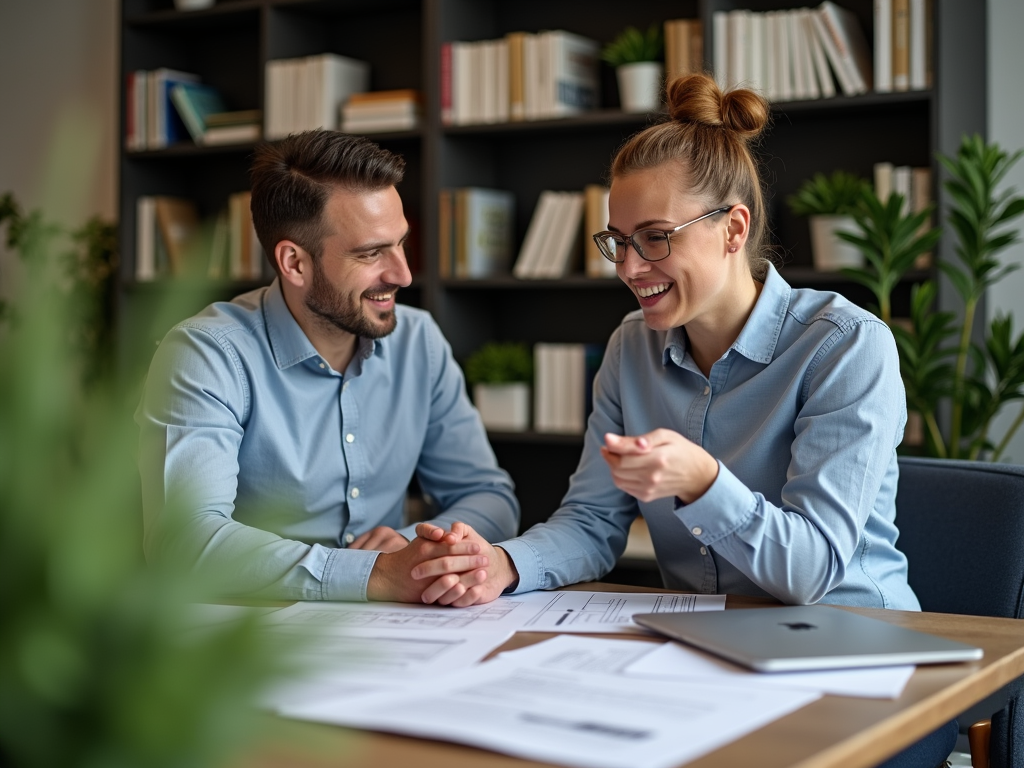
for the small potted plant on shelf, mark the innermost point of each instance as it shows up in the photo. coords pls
(635, 55)
(829, 203)
(500, 374)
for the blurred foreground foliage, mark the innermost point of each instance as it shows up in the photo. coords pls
(97, 667)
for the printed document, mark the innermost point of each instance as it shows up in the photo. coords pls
(553, 709)
(675, 660)
(559, 611)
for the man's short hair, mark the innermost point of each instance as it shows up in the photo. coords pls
(293, 178)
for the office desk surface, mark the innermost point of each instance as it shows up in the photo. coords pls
(833, 732)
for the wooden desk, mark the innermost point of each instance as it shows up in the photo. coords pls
(833, 732)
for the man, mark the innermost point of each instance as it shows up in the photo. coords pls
(280, 431)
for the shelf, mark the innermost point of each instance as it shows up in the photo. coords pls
(186, 149)
(537, 438)
(846, 104)
(510, 283)
(218, 14)
(593, 120)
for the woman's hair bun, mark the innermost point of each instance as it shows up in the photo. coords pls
(698, 99)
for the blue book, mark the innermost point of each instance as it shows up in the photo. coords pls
(194, 101)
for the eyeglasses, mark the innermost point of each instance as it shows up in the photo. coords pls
(650, 244)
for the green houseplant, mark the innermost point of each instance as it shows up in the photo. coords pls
(500, 374)
(96, 664)
(828, 202)
(636, 55)
(942, 364)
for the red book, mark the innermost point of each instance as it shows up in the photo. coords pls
(446, 83)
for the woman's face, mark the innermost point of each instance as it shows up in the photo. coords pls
(693, 283)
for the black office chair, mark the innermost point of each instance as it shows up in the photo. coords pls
(962, 529)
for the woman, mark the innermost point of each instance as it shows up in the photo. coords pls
(753, 425)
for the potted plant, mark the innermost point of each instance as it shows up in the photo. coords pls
(941, 363)
(829, 202)
(635, 56)
(500, 374)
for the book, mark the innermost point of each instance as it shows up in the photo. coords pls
(563, 242)
(177, 222)
(821, 68)
(784, 53)
(801, 71)
(194, 103)
(537, 232)
(483, 231)
(145, 238)
(446, 84)
(516, 103)
(883, 45)
(445, 225)
(231, 134)
(563, 385)
(720, 33)
(164, 125)
(595, 220)
(900, 45)
(382, 111)
(235, 117)
(306, 93)
(883, 180)
(572, 83)
(918, 48)
(845, 45)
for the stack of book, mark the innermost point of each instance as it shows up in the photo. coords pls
(378, 111)
(307, 93)
(903, 40)
(204, 114)
(595, 219)
(172, 241)
(563, 385)
(475, 229)
(684, 47)
(523, 76)
(152, 120)
(792, 54)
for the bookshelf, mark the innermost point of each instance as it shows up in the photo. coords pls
(230, 43)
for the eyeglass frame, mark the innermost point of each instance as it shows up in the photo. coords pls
(598, 236)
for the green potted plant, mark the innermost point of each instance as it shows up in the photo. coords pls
(828, 202)
(942, 365)
(636, 55)
(500, 374)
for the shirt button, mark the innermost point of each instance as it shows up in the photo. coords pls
(349, 538)
(707, 390)
(344, 386)
(703, 550)
(697, 531)
(322, 365)
(350, 438)
(354, 493)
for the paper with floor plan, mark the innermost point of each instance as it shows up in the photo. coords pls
(674, 660)
(546, 710)
(556, 611)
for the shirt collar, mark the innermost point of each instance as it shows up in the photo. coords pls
(289, 342)
(760, 333)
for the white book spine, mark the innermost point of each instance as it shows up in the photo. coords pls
(771, 68)
(800, 88)
(883, 45)
(824, 74)
(785, 57)
(756, 30)
(738, 48)
(918, 46)
(883, 181)
(145, 238)
(720, 33)
(832, 45)
(902, 184)
(533, 241)
(502, 77)
(806, 56)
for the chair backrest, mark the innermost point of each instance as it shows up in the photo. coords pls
(962, 529)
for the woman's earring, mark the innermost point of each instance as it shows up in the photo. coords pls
(733, 249)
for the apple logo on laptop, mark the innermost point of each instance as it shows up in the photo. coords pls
(797, 625)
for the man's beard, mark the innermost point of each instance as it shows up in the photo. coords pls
(324, 301)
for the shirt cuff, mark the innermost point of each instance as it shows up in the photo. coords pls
(724, 508)
(527, 561)
(347, 573)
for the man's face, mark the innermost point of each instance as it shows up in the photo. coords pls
(355, 280)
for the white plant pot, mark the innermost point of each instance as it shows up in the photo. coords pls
(640, 86)
(830, 252)
(503, 407)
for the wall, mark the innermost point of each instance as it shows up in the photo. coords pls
(58, 122)
(1006, 126)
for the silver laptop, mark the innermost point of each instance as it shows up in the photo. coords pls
(801, 638)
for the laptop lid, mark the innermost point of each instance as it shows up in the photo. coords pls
(808, 637)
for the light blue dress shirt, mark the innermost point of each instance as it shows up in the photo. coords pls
(265, 463)
(803, 413)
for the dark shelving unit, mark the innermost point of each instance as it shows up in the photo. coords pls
(229, 44)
